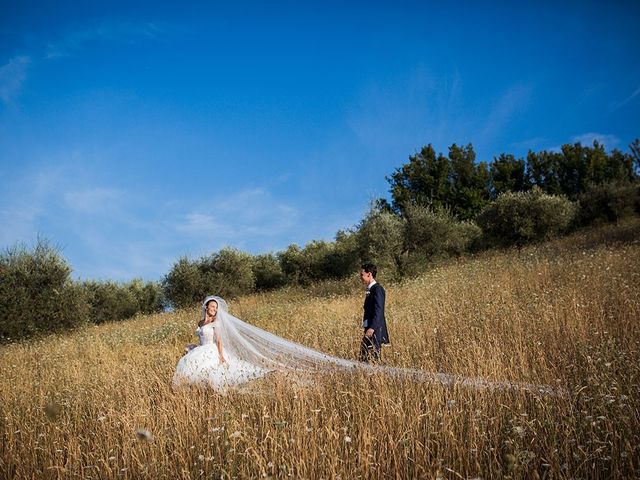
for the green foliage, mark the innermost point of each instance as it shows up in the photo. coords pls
(431, 180)
(302, 266)
(542, 171)
(228, 273)
(469, 188)
(608, 203)
(36, 293)
(431, 233)
(149, 295)
(110, 301)
(576, 168)
(320, 260)
(519, 218)
(635, 156)
(268, 272)
(422, 181)
(508, 174)
(380, 240)
(184, 285)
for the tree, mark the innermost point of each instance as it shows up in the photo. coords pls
(508, 174)
(268, 272)
(635, 155)
(468, 188)
(37, 294)
(380, 239)
(542, 171)
(422, 181)
(184, 286)
(228, 273)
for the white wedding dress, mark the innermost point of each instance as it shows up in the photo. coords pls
(201, 366)
(249, 353)
(252, 353)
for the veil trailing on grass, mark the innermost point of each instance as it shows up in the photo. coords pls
(262, 352)
(258, 347)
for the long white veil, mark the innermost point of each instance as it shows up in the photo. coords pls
(270, 352)
(258, 347)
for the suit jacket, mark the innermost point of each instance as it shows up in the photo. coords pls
(374, 313)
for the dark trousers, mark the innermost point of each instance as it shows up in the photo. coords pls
(370, 349)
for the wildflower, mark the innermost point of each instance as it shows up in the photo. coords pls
(347, 439)
(236, 434)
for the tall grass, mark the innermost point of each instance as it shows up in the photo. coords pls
(98, 403)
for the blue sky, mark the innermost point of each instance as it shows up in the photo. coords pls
(133, 134)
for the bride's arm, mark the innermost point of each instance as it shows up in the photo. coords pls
(219, 345)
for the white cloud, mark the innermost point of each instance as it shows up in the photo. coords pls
(239, 218)
(587, 139)
(12, 76)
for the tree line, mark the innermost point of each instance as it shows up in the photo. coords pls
(440, 206)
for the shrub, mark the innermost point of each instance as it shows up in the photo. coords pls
(37, 294)
(608, 203)
(292, 264)
(228, 273)
(320, 260)
(437, 233)
(149, 296)
(380, 239)
(523, 217)
(267, 272)
(184, 285)
(109, 301)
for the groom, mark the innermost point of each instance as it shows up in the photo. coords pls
(374, 323)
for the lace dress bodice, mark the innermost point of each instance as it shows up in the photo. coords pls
(207, 334)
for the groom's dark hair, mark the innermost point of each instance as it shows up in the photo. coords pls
(370, 268)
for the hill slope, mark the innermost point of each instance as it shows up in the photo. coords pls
(563, 313)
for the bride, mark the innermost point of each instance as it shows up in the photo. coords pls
(232, 353)
(210, 363)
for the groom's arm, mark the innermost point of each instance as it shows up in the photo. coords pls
(375, 323)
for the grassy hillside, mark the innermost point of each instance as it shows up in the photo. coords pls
(563, 313)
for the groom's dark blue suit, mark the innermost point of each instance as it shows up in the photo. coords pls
(374, 319)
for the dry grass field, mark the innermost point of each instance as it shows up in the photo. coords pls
(98, 403)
